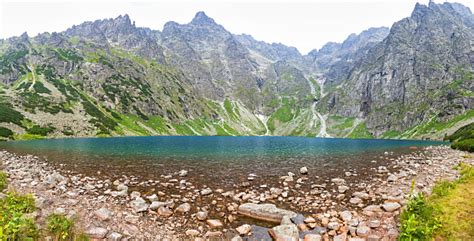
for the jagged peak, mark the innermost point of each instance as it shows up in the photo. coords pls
(459, 8)
(419, 8)
(202, 18)
(24, 35)
(124, 20)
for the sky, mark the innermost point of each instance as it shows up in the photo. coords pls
(303, 24)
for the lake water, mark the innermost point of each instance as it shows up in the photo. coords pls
(217, 161)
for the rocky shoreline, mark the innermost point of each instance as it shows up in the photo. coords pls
(171, 207)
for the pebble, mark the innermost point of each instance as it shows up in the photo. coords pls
(139, 205)
(206, 191)
(304, 170)
(312, 237)
(391, 206)
(244, 229)
(183, 173)
(374, 223)
(355, 200)
(114, 236)
(334, 225)
(183, 208)
(392, 178)
(346, 216)
(342, 189)
(103, 214)
(192, 232)
(164, 211)
(214, 223)
(97, 232)
(201, 215)
(152, 198)
(363, 231)
(338, 181)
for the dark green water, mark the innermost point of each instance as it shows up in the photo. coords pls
(219, 158)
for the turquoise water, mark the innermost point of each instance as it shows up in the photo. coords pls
(217, 157)
(212, 146)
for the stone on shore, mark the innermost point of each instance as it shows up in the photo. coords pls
(391, 206)
(338, 181)
(304, 170)
(103, 214)
(285, 231)
(244, 229)
(164, 211)
(312, 237)
(264, 212)
(192, 232)
(183, 173)
(152, 198)
(346, 216)
(139, 205)
(201, 215)
(342, 189)
(114, 236)
(183, 208)
(363, 231)
(206, 191)
(97, 232)
(392, 178)
(355, 200)
(122, 193)
(214, 223)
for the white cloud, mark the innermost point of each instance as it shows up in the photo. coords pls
(303, 24)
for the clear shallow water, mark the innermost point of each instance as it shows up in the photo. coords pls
(222, 159)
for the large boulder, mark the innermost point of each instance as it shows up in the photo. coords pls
(264, 212)
(285, 231)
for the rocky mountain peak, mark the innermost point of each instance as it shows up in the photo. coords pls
(202, 19)
(461, 9)
(124, 21)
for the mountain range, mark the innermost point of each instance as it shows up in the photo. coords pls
(109, 78)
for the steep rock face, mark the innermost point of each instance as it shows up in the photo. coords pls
(219, 64)
(273, 52)
(12, 63)
(422, 69)
(210, 55)
(336, 59)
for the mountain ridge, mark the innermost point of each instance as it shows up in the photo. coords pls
(109, 77)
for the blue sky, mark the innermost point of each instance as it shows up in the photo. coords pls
(304, 24)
